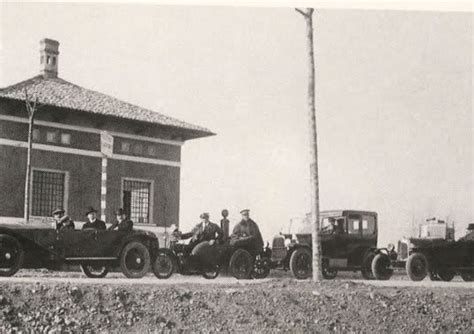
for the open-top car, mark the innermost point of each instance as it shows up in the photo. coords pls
(348, 238)
(41, 246)
(434, 252)
(438, 258)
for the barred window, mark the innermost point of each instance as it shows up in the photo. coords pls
(136, 200)
(48, 192)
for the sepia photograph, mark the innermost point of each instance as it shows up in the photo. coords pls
(236, 167)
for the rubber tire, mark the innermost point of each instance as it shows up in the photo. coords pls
(264, 269)
(467, 276)
(446, 275)
(86, 271)
(239, 255)
(366, 266)
(381, 267)
(212, 274)
(411, 267)
(20, 255)
(295, 257)
(123, 260)
(156, 269)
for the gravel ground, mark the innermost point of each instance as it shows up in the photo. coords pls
(283, 305)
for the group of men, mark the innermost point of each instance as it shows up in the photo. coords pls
(245, 233)
(64, 222)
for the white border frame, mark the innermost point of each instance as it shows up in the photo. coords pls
(66, 188)
(151, 199)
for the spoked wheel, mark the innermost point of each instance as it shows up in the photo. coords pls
(11, 255)
(417, 267)
(212, 273)
(366, 269)
(135, 260)
(300, 263)
(382, 267)
(94, 270)
(261, 268)
(163, 267)
(241, 264)
(446, 274)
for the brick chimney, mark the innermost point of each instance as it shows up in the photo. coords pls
(49, 51)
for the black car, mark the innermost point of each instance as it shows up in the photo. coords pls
(348, 240)
(41, 246)
(438, 258)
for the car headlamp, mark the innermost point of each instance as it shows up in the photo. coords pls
(287, 242)
(390, 247)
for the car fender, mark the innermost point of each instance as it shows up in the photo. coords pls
(151, 242)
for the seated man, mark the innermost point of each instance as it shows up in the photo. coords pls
(205, 231)
(63, 222)
(93, 222)
(246, 234)
(122, 223)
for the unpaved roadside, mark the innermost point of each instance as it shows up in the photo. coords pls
(47, 305)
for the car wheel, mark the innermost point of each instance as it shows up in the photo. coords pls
(446, 275)
(212, 273)
(417, 267)
(163, 267)
(11, 255)
(135, 260)
(382, 267)
(241, 264)
(94, 270)
(467, 276)
(327, 272)
(300, 263)
(261, 268)
(366, 269)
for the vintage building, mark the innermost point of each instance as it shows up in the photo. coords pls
(73, 127)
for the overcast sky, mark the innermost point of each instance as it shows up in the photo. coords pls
(394, 101)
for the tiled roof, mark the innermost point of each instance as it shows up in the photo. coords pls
(61, 93)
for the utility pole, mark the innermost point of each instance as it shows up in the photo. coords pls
(313, 146)
(31, 109)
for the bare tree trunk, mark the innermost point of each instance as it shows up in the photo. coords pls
(31, 109)
(313, 146)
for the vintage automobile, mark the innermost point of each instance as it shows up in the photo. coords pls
(438, 258)
(348, 239)
(42, 246)
(233, 255)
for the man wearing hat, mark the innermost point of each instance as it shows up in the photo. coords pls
(203, 238)
(63, 222)
(247, 234)
(93, 222)
(204, 231)
(122, 223)
(470, 233)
